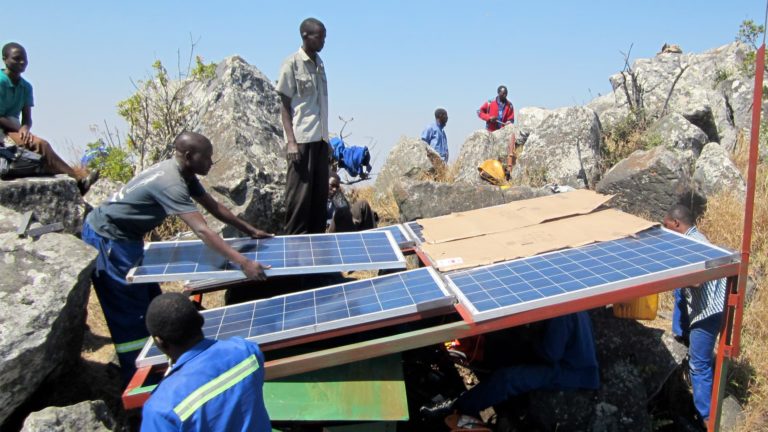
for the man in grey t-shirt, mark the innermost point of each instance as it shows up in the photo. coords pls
(117, 227)
(303, 90)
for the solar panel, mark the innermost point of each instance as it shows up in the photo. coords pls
(315, 311)
(415, 230)
(288, 255)
(401, 236)
(523, 284)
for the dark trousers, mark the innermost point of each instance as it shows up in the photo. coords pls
(306, 190)
(124, 305)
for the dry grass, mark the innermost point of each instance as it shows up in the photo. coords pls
(385, 207)
(722, 224)
(171, 227)
(443, 173)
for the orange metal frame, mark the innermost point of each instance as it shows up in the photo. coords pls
(278, 368)
(730, 339)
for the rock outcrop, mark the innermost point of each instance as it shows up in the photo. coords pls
(87, 416)
(708, 89)
(478, 147)
(101, 192)
(410, 159)
(565, 141)
(425, 199)
(53, 199)
(715, 172)
(675, 131)
(648, 183)
(43, 297)
(239, 111)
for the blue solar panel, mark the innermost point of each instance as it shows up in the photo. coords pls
(401, 236)
(416, 231)
(322, 309)
(302, 254)
(527, 283)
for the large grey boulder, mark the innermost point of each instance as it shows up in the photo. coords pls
(101, 192)
(478, 147)
(693, 85)
(87, 416)
(43, 297)
(425, 199)
(676, 131)
(239, 111)
(53, 199)
(557, 149)
(714, 172)
(410, 159)
(648, 183)
(529, 119)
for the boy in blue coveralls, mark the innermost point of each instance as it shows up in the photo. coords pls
(211, 385)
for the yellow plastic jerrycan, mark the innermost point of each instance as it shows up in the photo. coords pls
(642, 308)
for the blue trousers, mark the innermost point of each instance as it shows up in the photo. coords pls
(124, 305)
(703, 335)
(680, 321)
(505, 383)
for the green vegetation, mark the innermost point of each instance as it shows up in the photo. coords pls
(159, 111)
(625, 137)
(722, 75)
(202, 71)
(749, 33)
(113, 161)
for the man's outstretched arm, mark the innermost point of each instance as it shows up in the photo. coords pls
(252, 269)
(222, 213)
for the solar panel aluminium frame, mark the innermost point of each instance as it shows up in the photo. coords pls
(477, 316)
(399, 263)
(408, 226)
(345, 325)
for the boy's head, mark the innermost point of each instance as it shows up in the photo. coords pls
(173, 321)
(312, 34)
(679, 218)
(441, 115)
(15, 57)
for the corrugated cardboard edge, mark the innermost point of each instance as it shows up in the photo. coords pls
(569, 232)
(510, 216)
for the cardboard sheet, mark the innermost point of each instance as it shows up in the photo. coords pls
(511, 216)
(569, 232)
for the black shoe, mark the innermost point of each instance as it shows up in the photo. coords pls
(437, 410)
(85, 183)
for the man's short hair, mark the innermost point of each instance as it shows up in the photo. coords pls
(440, 112)
(10, 46)
(681, 213)
(501, 87)
(173, 317)
(308, 24)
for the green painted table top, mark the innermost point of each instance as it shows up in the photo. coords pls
(368, 390)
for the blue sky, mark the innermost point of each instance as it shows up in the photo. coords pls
(389, 63)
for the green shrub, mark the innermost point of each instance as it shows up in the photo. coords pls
(114, 162)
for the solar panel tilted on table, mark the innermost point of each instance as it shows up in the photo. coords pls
(557, 277)
(319, 310)
(288, 255)
(399, 233)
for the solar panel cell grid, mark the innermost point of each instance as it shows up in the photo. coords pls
(192, 260)
(402, 238)
(322, 309)
(524, 283)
